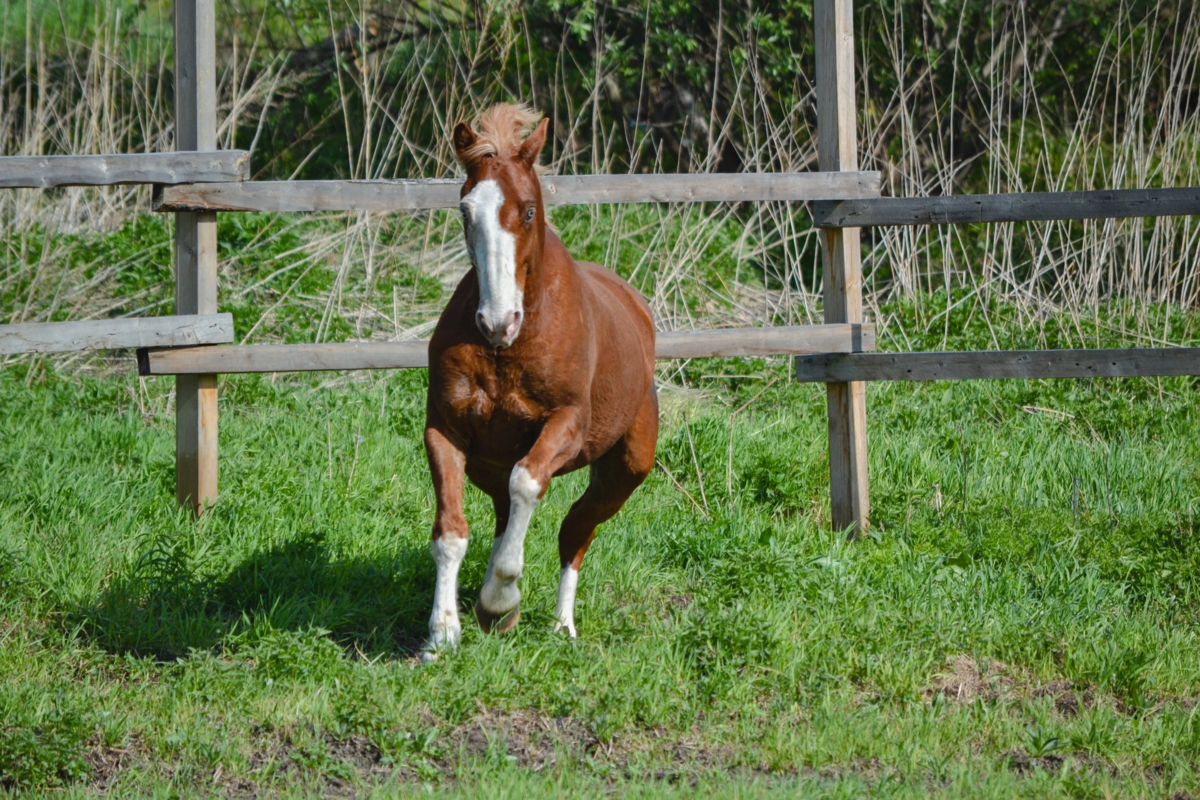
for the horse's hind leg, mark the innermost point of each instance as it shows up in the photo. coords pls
(614, 476)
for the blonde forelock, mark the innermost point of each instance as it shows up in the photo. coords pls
(499, 131)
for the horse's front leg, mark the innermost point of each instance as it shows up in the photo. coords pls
(559, 442)
(447, 465)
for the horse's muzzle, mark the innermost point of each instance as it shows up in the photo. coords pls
(502, 333)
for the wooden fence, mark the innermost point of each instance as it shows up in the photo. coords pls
(198, 181)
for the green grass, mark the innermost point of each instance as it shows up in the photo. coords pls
(1022, 619)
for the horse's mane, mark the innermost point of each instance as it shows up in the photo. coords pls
(499, 131)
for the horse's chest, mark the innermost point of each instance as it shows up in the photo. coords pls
(499, 408)
(495, 411)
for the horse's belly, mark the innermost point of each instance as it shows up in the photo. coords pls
(502, 447)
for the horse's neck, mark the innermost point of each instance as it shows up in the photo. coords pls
(557, 280)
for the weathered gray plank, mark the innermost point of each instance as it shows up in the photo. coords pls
(731, 342)
(106, 334)
(401, 355)
(837, 150)
(1021, 207)
(395, 195)
(957, 366)
(285, 358)
(45, 172)
(695, 188)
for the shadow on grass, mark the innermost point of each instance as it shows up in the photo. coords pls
(165, 606)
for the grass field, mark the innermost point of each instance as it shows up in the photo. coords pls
(1021, 620)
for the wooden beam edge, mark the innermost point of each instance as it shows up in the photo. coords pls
(998, 365)
(1015, 207)
(116, 334)
(721, 343)
(121, 169)
(434, 193)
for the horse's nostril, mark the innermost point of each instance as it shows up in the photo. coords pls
(512, 324)
(498, 331)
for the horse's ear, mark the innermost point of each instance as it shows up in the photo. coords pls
(464, 140)
(531, 148)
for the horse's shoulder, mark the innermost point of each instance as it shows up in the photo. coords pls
(607, 278)
(614, 283)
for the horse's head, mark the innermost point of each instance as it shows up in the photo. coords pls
(502, 213)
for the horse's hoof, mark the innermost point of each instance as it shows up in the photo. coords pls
(496, 623)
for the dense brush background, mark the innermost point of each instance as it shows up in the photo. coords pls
(1022, 619)
(956, 97)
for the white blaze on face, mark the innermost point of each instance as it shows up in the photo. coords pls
(493, 252)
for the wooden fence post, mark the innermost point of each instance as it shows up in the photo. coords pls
(195, 251)
(837, 148)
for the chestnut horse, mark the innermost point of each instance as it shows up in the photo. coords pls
(540, 365)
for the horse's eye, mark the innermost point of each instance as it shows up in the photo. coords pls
(529, 214)
(463, 211)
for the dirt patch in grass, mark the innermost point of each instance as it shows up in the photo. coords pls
(534, 740)
(964, 679)
(1024, 764)
(531, 739)
(675, 753)
(353, 764)
(677, 602)
(1185, 704)
(1078, 763)
(527, 738)
(1066, 700)
(350, 765)
(869, 769)
(108, 762)
(675, 759)
(347, 766)
(359, 753)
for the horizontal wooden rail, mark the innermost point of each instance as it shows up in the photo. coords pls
(769, 341)
(959, 366)
(104, 334)
(241, 359)
(397, 195)
(1024, 207)
(46, 172)
(401, 355)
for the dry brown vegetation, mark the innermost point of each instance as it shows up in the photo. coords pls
(400, 81)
